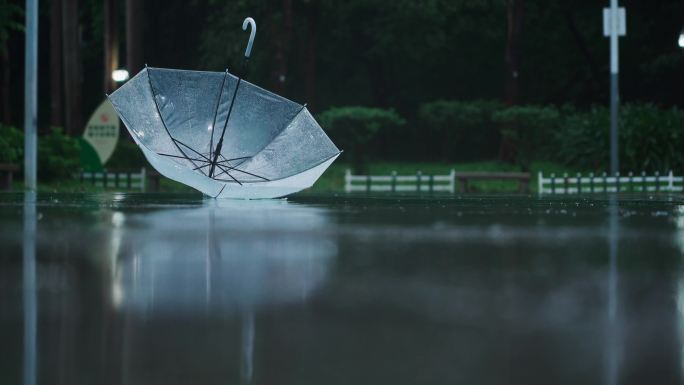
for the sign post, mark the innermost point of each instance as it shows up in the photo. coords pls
(99, 137)
(31, 95)
(614, 25)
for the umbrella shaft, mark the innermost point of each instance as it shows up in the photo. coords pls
(225, 125)
(216, 155)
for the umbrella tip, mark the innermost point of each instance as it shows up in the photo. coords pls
(106, 95)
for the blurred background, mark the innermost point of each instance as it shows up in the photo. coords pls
(162, 288)
(517, 85)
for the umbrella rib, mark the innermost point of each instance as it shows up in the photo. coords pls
(224, 186)
(192, 149)
(231, 177)
(249, 173)
(235, 166)
(218, 102)
(223, 170)
(154, 97)
(232, 159)
(181, 157)
(237, 169)
(242, 171)
(202, 166)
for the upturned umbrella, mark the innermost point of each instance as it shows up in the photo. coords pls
(222, 135)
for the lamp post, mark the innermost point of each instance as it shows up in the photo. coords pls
(614, 26)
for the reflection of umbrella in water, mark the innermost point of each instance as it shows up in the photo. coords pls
(225, 258)
(222, 135)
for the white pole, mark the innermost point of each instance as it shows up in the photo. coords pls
(540, 183)
(143, 179)
(614, 94)
(613, 337)
(31, 94)
(30, 295)
(347, 181)
(247, 369)
(452, 181)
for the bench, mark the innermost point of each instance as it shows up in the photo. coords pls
(7, 171)
(523, 179)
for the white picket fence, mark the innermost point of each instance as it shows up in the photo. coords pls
(604, 183)
(400, 183)
(106, 179)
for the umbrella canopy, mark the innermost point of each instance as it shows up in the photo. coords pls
(222, 135)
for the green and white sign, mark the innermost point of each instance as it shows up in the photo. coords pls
(100, 137)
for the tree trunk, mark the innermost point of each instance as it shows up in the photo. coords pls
(111, 44)
(5, 87)
(56, 94)
(72, 66)
(515, 13)
(581, 43)
(281, 41)
(310, 61)
(134, 35)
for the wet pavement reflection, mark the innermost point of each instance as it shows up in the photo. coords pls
(175, 289)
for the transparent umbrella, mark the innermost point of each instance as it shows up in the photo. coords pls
(222, 135)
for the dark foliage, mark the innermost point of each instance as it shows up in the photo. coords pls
(458, 131)
(11, 144)
(530, 130)
(58, 156)
(651, 139)
(362, 132)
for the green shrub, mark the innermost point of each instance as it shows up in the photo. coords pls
(529, 131)
(364, 133)
(11, 145)
(127, 156)
(58, 155)
(583, 139)
(458, 130)
(650, 139)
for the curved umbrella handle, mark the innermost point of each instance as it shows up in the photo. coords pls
(249, 21)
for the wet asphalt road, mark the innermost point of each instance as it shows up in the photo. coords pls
(174, 289)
